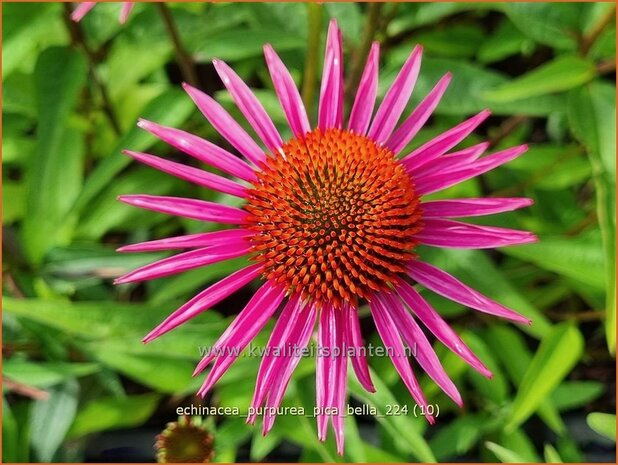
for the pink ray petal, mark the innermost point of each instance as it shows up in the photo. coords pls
(354, 340)
(365, 100)
(389, 333)
(425, 355)
(341, 380)
(451, 161)
(440, 282)
(186, 261)
(206, 299)
(410, 127)
(226, 125)
(437, 182)
(396, 98)
(188, 173)
(448, 233)
(326, 367)
(251, 107)
(188, 208)
(250, 322)
(330, 114)
(209, 239)
(81, 10)
(462, 208)
(283, 327)
(440, 328)
(125, 11)
(201, 149)
(299, 336)
(288, 94)
(444, 142)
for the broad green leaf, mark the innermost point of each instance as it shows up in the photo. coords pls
(603, 423)
(459, 436)
(551, 455)
(592, 116)
(579, 258)
(556, 25)
(458, 41)
(108, 413)
(51, 418)
(56, 169)
(504, 455)
(518, 440)
(575, 394)
(10, 434)
(563, 73)
(505, 41)
(262, 445)
(559, 351)
(13, 201)
(45, 374)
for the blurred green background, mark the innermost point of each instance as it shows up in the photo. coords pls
(77, 382)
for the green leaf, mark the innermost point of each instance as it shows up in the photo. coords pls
(563, 73)
(580, 258)
(51, 418)
(459, 436)
(13, 201)
(551, 455)
(603, 423)
(592, 116)
(401, 427)
(557, 354)
(518, 440)
(507, 40)
(45, 374)
(108, 413)
(575, 394)
(504, 455)
(55, 173)
(556, 25)
(10, 434)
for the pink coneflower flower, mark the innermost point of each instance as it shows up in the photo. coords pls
(330, 219)
(84, 7)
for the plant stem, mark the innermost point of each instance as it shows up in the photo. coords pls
(604, 21)
(78, 40)
(371, 27)
(187, 67)
(311, 60)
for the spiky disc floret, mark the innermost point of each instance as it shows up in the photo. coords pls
(185, 441)
(334, 215)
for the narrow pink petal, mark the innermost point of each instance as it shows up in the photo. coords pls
(300, 335)
(250, 322)
(206, 299)
(341, 380)
(437, 182)
(451, 161)
(188, 208)
(283, 327)
(201, 149)
(365, 100)
(186, 261)
(410, 127)
(226, 125)
(448, 233)
(440, 282)
(425, 355)
(188, 173)
(444, 142)
(288, 94)
(209, 239)
(354, 340)
(325, 367)
(126, 11)
(330, 114)
(242, 320)
(389, 334)
(440, 328)
(396, 98)
(251, 107)
(81, 10)
(461, 208)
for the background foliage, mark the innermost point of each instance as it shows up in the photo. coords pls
(74, 369)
